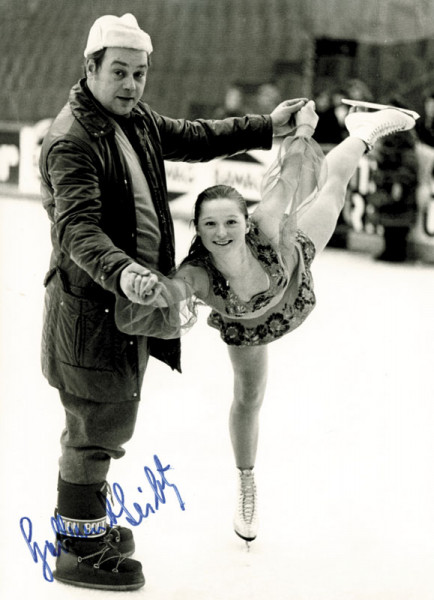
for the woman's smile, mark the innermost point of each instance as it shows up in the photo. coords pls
(223, 242)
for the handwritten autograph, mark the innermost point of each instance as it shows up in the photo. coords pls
(160, 486)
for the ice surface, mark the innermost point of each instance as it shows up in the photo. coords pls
(346, 455)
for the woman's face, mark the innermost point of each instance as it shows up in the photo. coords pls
(222, 226)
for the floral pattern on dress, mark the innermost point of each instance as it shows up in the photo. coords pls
(307, 247)
(277, 324)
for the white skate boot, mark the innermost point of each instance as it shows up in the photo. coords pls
(245, 520)
(371, 126)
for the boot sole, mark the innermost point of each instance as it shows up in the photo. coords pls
(116, 588)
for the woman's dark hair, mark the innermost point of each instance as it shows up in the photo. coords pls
(219, 192)
(215, 192)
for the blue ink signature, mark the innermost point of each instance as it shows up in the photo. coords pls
(159, 497)
(35, 550)
(158, 486)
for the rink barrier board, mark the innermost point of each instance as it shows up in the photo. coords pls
(19, 156)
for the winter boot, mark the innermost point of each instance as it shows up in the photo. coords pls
(91, 553)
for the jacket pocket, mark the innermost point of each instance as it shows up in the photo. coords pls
(85, 334)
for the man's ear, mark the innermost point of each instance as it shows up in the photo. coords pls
(90, 67)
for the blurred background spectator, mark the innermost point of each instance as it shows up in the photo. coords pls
(331, 126)
(234, 103)
(358, 90)
(425, 125)
(329, 129)
(425, 155)
(268, 97)
(396, 181)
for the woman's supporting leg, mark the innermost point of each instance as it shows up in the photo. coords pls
(250, 365)
(318, 220)
(250, 379)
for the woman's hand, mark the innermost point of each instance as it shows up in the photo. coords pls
(306, 120)
(282, 116)
(139, 284)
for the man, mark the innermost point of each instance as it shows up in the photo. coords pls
(104, 188)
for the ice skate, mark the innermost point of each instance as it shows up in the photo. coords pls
(245, 520)
(371, 126)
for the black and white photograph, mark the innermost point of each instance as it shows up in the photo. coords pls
(217, 299)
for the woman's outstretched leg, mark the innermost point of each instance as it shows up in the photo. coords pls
(250, 366)
(319, 218)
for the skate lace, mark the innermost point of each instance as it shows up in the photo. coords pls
(107, 547)
(388, 127)
(247, 497)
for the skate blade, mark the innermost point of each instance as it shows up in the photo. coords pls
(363, 104)
(247, 541)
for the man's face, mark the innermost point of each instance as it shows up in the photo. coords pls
(119, 82)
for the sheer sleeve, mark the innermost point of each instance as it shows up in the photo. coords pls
(289, 185)
(169, 316)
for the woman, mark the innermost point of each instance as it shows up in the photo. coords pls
(254, 271)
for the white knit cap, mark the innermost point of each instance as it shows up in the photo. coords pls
(120, 32)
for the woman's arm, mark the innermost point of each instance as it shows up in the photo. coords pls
(154, 290)
(167, 307)
(293, 176)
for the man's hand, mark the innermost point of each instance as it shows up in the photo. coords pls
(282, 116)
(138, 284)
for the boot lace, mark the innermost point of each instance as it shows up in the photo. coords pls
(386, 128)
(107, 552)
(247, 497)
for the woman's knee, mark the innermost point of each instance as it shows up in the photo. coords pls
(250, 376)
(247, 404)
(249, 390)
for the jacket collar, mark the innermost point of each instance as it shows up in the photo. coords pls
(89, 112)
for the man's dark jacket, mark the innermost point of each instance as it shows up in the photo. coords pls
(87, 192)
